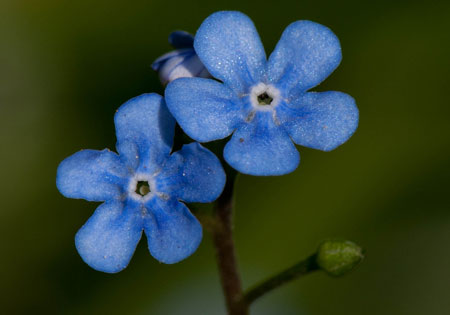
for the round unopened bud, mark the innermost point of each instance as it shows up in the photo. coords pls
(338, 257)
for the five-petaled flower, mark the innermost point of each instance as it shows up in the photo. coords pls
(264, 104)
(142, 188)
(182, 62)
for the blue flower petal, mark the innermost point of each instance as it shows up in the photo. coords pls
(320, 120)
(193, 174)
(144, 130)
(262, 148)
(181, 39)
(173, 233)
(92, 175)
(205, 109)
(306, 55)
(229, 46)
(108, 239)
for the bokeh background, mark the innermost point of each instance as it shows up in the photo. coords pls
(65, 66)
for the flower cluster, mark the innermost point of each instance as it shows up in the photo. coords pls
(264, 104)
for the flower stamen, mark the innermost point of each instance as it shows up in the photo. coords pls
(142, 188)
(264, 99)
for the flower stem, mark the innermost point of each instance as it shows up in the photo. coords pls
(298, 270)
(225, 251)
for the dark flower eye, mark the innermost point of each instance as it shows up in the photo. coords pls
(142, 188)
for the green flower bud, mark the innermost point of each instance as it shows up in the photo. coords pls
(338, 257)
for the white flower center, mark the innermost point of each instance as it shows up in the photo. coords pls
(141, 187)
(264, 97)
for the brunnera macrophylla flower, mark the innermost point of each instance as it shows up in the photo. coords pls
(182, 62)
(143, 189)
(264, 104)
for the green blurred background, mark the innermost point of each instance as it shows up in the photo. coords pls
(65, 66)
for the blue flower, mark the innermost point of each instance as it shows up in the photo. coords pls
(182, 62)
(264, 104)
(141, 187)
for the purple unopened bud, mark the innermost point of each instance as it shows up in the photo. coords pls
(180, 63)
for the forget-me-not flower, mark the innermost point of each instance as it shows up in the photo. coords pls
(182, 62)
(265, 104)
(142, 188)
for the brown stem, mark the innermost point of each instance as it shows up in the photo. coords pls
(225, 252)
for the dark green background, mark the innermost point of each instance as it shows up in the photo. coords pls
(65, 66)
